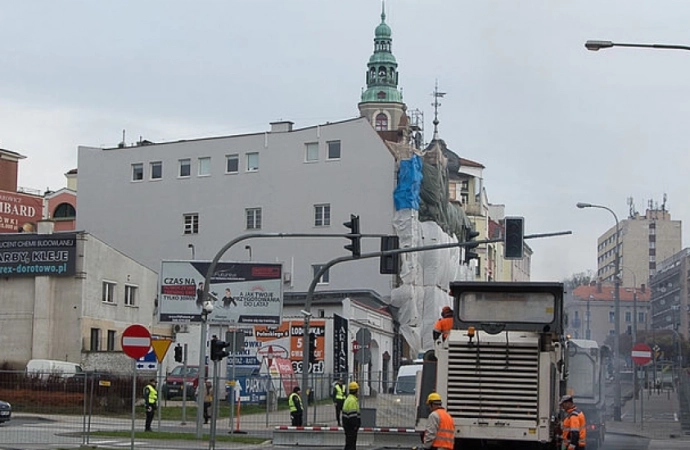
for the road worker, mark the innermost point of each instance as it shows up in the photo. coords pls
(574, 425)
(351, 416)
(444, 324)
(440, 428)
(295, 404)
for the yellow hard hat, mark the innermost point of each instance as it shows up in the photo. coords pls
(433, 397)
(353, 386)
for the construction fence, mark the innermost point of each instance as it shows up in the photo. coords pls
(74, 408)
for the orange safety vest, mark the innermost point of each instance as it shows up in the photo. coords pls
(443, 326)
(575, 421)
(445, 435)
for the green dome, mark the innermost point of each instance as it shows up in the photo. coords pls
(383, 31)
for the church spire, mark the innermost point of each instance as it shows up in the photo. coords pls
(436, 104)
(382, 69)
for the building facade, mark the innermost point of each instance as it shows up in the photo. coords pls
(644, 241)
(590, 311)
(670, 288)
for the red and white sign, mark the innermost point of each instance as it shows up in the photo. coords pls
(641, 354)
(355, 346)
(136, 341)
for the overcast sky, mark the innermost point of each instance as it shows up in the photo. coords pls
(553, 123)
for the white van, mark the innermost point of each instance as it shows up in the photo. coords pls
(44, 368)
(406, 382)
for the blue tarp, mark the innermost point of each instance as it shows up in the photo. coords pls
(406, 194)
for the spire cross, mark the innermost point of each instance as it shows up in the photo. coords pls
(436, 104)
(383, 10)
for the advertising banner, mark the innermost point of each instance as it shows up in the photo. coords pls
(19, 212)
(33, 255)
(245, 293)
(288, 340)
(340, 347)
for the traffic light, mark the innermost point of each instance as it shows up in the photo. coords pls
(389, 264)
(312, 347)
(178, 353)
(470, 252)
(514, 238)
(218, 351)
(355, 240)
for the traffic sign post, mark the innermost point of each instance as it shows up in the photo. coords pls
(135, 342)
(641, 356)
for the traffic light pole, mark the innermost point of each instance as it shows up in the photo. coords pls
(317, 276)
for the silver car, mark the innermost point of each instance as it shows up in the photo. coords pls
(5, 411)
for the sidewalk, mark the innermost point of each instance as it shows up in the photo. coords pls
(660, 422)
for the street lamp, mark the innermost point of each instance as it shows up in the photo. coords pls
(616, 316)
(595, 46)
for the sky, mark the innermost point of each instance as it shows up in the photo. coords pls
(553, 123)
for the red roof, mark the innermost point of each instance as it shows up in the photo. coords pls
(604, 292)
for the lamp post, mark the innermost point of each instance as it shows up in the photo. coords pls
(616, 318)
(595, 46)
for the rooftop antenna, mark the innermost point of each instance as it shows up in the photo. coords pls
(663, 205)
(436, 104)
(631, 206)
(122, 143)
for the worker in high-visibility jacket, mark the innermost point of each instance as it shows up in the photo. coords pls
(151, 402)
(352, 419)
(440, 428)
(444, 324)
(338, 396)
(295, 404)
(574, 425)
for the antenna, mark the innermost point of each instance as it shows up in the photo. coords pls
(122, 143)
(436, 94)
(663, 205)
(631, 208)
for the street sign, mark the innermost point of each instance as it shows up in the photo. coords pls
(641, 354)
(147, 362)
(160, 348)
(136, 341)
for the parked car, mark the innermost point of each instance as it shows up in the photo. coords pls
(44, 369)
(5, 411)
(179, 382)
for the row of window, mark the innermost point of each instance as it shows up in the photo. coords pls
(95, 342)
(253, 216)
(109, 293)
(628, 317)
(232, 163)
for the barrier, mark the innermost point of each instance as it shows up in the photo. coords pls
(335, 436)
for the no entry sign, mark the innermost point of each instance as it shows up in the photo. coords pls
(641, 354)
(136, 341)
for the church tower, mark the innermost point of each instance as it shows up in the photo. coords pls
(382, 101)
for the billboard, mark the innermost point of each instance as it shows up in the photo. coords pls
(19, 212)
(33, 255)
(245, 293)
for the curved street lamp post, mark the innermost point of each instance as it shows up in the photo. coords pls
(595, 45)
(616, 316)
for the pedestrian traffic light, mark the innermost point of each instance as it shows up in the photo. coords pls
(178, 353)
(514, 238)
(312, 347)
(470, 252)
(354, 237)
(218, 351)
(389, 264)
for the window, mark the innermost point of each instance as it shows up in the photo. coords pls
(311, 151)
(612, 317)
(64, 211)
(333, 150)
(95, 344)
(191, 223)
(108, 292)
(628, 330)
(137, 172)
(325, 278)
(612, 332)
(156, 170)
(381, 123)
(204, 167)
(628, 316)
(252, 162)
(322, 215)
(232, 163)
(130, 295)
(640, 316)
(253, 218)
(185, 168)
(577, 315)
(465, 185)
(111, 341)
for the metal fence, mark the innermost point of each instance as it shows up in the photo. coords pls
(684, 399)
(52, 409)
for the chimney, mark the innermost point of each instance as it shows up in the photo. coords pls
(9, 169)
(643, 288)
(46, 226)
(598, 287)
(281, 126)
